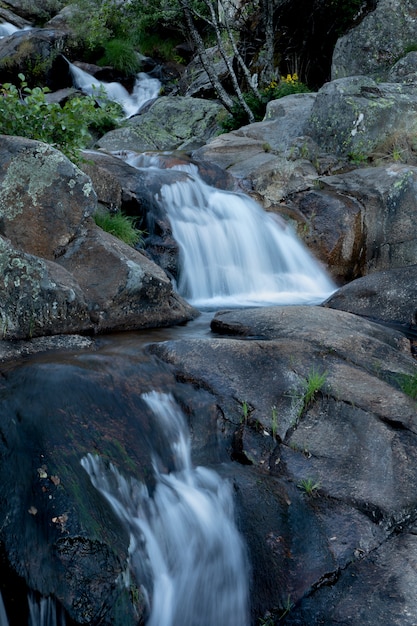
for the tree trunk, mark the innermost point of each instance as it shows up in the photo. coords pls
(217, 29)
(224, 97)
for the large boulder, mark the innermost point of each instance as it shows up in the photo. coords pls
(44, 197)
(61, 273)
(388, 296)
(124, 288)
(324, 484)
(378, 42)
(360, 221)
(38, 297)
(36, 53)
(355, 117)
(170, 123)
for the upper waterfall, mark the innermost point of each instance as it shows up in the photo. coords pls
(144, 90)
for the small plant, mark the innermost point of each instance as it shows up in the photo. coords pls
(245, 412)
(358, 158)
(287, 607)
(309, 486)
(408, 384)
(311, 386)
(121, 226)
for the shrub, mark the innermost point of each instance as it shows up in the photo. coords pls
(27, 113)
(121, 226)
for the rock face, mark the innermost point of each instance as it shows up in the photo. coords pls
(324, 485)
(374, 46)
(61, 273)
(355, 116)
(35, 52)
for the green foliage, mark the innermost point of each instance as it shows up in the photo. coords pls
(408, 384)
(112, 31)
(309, 486)
(285, 87)
(121, 55)
(121, 226)
(27, 113)
(245, 412)
(311, 386)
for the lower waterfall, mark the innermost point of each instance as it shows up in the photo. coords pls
(185, 549)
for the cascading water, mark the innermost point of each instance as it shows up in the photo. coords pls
(3, 616)
(232, 253)
(44, 612)
(7, 29)
(144, 90)
(184, 543)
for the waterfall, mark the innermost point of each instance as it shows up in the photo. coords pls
(44, 611)
(7, 29)
(184, 545)
(232, 252)
(3, 616)
(144, 90)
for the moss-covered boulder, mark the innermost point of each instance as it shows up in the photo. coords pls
(172, 122)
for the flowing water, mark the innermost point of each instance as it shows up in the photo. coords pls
(8, 29)
(144, 89)
(183, 538)
(232, 252)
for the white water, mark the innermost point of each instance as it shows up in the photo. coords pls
(44, 612)
(144, 90)
(7, 29)
(3, 617)
(232, 252)
(184, 543)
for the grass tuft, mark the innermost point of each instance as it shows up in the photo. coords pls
(121, 226)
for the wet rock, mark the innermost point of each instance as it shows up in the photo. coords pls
(330, 484)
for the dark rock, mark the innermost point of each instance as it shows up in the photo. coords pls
(389, 296)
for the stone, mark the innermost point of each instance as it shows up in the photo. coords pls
(125, 290)
(355, 117)
(372, 47)
(44, 197)
(38, 297)
(388, 296)
(171, 123)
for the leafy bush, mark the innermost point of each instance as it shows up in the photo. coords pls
(27, 113)
(285, 87)
(121, 226)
